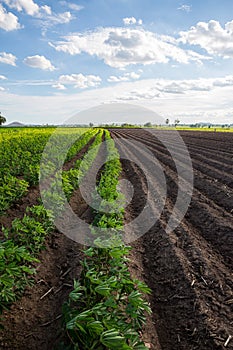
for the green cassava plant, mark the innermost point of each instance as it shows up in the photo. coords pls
(107, 308)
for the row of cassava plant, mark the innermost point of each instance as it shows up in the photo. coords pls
(11, 189)
(53, 155)
(21, 245)
(19, 250)
(21, 150)
(75, 175)
(107, 307)
(20, 154)
(53, 197)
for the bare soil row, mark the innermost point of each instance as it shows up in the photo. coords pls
(189, 269)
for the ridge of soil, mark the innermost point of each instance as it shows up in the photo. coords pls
(189, 270)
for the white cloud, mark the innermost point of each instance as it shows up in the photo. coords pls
(47, 21)
(120, 47)
(154, 89)
(7, 58)
(44, 14)
(61, 18)
(213, 105)
(149, 89)
(2, 88)
(114, 79)
(131, 20)
(46, 9)
(159, 88)
(59, 86)
(39, 62)
(29, 6)
(125, 77)
(8, 21)
(186, 8)
(212, 37)
(31, 82)
(222, 82)
(80, 81)
(71, 5)
(133, 75)
(2, 77)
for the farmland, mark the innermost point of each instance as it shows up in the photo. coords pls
(189, 270)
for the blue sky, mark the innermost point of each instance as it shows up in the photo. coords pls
(61, 57)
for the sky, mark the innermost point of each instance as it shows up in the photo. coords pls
(58, 58)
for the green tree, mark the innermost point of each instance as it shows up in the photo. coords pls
(177, 122)
(167, 121)
(2, 119)
(148, 125)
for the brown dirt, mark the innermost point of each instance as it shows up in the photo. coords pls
(190, 269)
(27, 324)
(136, 265)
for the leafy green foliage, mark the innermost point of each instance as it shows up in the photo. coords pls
(15, 265)
(106, 309)
(31, 230)
(20, 156)
(25, 238)
(73, 177)
(53, 196)
(18, 251)
(11, 189)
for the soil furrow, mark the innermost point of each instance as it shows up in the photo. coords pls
(213, 173)
(192, 287)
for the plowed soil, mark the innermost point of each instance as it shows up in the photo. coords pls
(189, 270)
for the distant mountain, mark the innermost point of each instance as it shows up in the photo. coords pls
(15, 124)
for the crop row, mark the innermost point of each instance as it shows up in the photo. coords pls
(20, 156)
(18, 252)
(106, 309)
(21, 244)
(69, 180)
